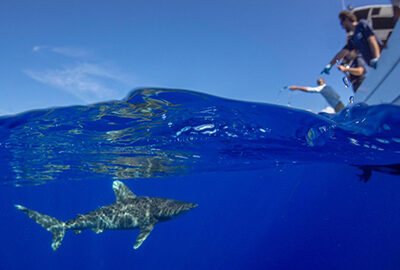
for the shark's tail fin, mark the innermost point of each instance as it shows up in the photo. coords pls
(53, 225)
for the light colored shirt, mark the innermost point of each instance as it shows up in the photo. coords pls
(328, 93)
(316, 89)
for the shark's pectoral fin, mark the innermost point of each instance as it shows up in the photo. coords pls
(98, 230)
(144, 233)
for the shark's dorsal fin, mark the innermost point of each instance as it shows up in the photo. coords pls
(122, 192)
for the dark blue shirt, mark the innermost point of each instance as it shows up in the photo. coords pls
(357, 80)
(359, 40)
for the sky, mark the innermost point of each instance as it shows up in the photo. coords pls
(61, 53)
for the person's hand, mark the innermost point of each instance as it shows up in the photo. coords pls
(342, 68)
(292, 88)
(374, 62)
(326, 69)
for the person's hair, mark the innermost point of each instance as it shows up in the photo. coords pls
(347, 14)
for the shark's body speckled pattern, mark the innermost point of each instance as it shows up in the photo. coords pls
(128, 212)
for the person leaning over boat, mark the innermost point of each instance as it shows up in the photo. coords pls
(363, 39)
(326, 91)
(353, 67)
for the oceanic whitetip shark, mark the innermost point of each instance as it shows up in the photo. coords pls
(127, 213)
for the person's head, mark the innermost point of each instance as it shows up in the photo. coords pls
(350, 56)
(320, 81)
(347, 20)
(353, 54)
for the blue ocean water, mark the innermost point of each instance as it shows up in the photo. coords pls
(277, 188)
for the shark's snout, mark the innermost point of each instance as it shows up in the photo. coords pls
(185, 206)
(192, 205)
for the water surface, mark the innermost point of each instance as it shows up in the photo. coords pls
(277, 188)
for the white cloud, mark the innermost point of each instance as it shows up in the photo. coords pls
(71, 52)
(66, 51)
(37, 48)
(88, 82)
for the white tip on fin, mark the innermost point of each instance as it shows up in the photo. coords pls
(121, 191)
(144, 233)
(19, 207)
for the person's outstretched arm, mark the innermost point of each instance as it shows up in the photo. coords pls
(374, 47)
(301, 88)
(375, 50)
(339, 56)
